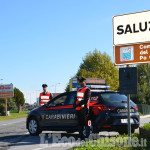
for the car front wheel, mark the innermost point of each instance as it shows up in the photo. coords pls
(33, 127)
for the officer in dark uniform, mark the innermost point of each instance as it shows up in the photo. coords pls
(83, 95)
(45, 96)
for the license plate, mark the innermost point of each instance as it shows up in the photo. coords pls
(126, 121)
(125, 110)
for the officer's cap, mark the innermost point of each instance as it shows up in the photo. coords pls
(81, 79)
(44, 85)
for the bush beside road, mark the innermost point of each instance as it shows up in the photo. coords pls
(119, 142)
(14, 115)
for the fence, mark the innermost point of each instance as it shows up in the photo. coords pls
(144, 109)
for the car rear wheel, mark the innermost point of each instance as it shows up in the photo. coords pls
(33, 127)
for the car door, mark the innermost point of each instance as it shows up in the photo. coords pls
(59, 111)
(71, 111)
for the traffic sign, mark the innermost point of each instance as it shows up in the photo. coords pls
(132, 54)
(128, 80)
(131, 28)
(131, 38)
(6, 90)
(74, 82)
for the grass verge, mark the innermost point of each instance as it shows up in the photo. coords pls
(14, 115)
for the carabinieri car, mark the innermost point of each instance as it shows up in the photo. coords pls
(108, 112)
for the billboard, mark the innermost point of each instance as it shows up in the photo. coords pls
(6, 90)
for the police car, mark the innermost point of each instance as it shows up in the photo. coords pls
(107, 111)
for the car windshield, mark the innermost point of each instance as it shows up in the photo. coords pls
(113, 97)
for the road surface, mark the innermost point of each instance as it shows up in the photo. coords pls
(14, 136)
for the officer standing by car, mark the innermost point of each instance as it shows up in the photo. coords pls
(83, 95)
(45, 96)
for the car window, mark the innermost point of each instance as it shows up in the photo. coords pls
(113, 97)
(71, 98)
(60, 101)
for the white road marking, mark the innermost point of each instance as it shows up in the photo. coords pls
(40, 148)
(11, 123)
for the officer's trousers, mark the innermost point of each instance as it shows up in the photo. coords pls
(81, 114)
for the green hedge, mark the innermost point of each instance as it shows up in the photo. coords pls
(146, 126)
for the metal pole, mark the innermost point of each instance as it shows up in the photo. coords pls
(129, 124)
(6, 106)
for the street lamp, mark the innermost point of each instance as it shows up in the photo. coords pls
(55, 86)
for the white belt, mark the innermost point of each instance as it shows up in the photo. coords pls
(80, 99)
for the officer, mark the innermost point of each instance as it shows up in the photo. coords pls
(83, 95)
(45, 96)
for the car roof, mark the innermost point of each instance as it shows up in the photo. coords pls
(96, 91)
(93, 91)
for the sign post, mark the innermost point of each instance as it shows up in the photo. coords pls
(131, 43)
(128, 85)
(129, 117)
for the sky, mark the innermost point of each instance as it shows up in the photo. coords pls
(45, 41)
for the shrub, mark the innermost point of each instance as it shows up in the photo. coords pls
(146, 126)
(2, 110)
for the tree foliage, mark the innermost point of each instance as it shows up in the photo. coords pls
(143, 96)
(98, 65)
(10, 103)
(2, 109)
(19, 98)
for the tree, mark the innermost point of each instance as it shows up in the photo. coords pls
(98, 65)
(11, 105)
(19, 98)
(2, 109)
(142, 97)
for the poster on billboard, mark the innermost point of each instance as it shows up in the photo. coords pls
(6, 90)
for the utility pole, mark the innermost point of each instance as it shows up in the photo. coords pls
(129, 123)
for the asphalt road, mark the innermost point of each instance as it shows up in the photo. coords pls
(14, 136)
